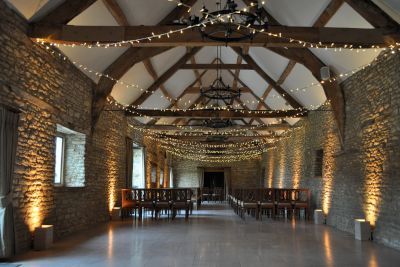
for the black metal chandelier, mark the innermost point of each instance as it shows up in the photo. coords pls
(217, 123)
(231, 24)
(218, 90)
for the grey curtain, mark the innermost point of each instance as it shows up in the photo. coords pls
(8, 145)
(129, 162)
(227, 176)
(200, 176)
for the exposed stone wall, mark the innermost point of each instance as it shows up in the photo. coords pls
(360, 180)
(50, 91)
(74, 158)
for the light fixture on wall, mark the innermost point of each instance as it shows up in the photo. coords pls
(232, 25)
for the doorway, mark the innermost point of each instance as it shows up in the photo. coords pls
(214, 179)
(215, 184)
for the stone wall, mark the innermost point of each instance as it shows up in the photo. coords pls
(243, 174)
(74, 160)
(360, 179)
(50, 91)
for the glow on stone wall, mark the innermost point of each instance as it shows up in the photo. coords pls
(373, 158)
(166, 175)
(112, 168)
(330, 145)
(271, 160)
(282, 167)
(34, 216)
(148, 171)
(297, 158)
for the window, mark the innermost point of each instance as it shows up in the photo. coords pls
(319, 163)
(171, 178)
(138, 167)
(59, 160)
(69, 165)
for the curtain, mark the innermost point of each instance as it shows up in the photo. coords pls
(200, 176)
(8, 145)
(227, 176)
(129, 162)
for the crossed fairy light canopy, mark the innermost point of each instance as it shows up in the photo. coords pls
(154, 70)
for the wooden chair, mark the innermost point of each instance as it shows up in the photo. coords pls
(180, 201)
(217, 194)
(249, 202)
(148, 197)
(128, 203)
(284, 202)
(205, 194)
(301, 201)
(267, 202)
(162, 201)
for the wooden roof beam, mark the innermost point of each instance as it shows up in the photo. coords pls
(326, 36)
(293, 102)
(165, 76)
(217, 66)
(126, 61)
(173, 127)
(116, 11)
(65, 12)
(211, 113)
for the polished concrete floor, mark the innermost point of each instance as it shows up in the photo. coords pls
(213, 236)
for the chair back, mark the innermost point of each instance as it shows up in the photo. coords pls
(180, 195)
(250, 195)
(267, 195)
(284, 195)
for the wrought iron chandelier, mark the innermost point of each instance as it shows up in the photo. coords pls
(217, 123)
(218, 90)
(232, 25)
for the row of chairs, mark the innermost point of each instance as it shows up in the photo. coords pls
(271, 202)
(212, 194)
(171, 201)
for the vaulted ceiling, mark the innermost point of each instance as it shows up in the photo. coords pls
(270, 78)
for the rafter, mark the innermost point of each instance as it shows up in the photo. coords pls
(228, 137)
(217, 66)
(184, 92)
(195, 71)
(332, 37)
(373, 14)
(150, 69)
(116, 11)
(173, 127)
(328, 13)
(293, 102)
(65, 12)
(215, 113)
(124, 62)
(166, 75)
(333, 91)
(280, 81)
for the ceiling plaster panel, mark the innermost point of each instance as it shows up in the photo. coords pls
(164, 61)
(301, 77)
(296, 13)
(179, 82)
(137, 75)
(145, 12)
(96, 15)
(272, 63)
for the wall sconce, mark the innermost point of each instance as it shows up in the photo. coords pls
(362, 230)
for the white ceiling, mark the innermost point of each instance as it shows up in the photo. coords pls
(150, 12)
